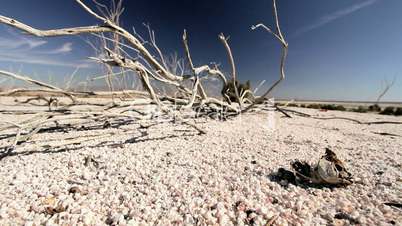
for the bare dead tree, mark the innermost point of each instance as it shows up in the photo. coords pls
(148, 63)
(145, 65)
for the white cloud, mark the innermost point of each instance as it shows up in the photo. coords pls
(18, 48)
(65, 48)
(9, 44)
(29, 58)
(334, 16)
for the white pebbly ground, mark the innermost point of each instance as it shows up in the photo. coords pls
(171, 176)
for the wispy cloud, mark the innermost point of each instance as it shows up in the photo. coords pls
(334, 16)
(21, 42)
(41, 60)
(65, 48)
(17, 48)
(13, 40)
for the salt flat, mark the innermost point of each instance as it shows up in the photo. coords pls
(169, 175)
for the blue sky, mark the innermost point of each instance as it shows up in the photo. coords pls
(340, 49)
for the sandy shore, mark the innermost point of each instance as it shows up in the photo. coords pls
(168, 175)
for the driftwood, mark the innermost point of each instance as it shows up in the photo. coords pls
(190, 99)
(148, 66)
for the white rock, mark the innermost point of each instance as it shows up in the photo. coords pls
(88, 218)
(132, 222)
(29, 223)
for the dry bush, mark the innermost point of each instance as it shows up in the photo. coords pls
(360, 109)
(292, 105)
(375, 108)
(398, 111)
(314, 106)
(388, 111)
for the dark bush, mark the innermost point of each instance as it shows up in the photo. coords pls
(302, 105)
(388, 111)
(375, 108)
(314, 106)
(398, 111)
(340, 108)
(328, 107)
(360, 109)
(293, 105)
(333, 107)
(229, 93)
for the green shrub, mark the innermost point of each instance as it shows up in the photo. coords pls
(333, 107)
(398, 111)
(360, 109)
(388, 111)
(375, 108)
(328, 107)
(314, 106)
(340, 108)
(293, 105)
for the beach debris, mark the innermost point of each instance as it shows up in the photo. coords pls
(240, 206)
(89, 160)
(77, 190)
(53, 210)
(74, 190)
(49, 201)
(328, 171)
(345, 216)
(251, 216)
(387, 134)
(53, 206)
(272, 220)
(106, 125)
(394, 204)
(284, 175)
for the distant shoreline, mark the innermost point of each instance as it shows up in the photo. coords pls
(340, 101)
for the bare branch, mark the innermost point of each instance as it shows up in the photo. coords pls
(194, 94)
(232, 63)
(285, 45)
(29, 80)
(198, 70)
(90, 11)
(154, 45)
(187, 49)
(110, 26)
(54, 32)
